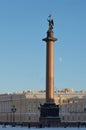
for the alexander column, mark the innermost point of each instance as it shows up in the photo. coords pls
(50, 62)
(49, 111)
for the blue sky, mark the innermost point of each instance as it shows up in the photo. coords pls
(23, 25)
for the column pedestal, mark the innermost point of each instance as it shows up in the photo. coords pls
(49, 114)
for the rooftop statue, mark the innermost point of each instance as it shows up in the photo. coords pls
(51, 23)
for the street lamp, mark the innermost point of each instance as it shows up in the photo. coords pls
(13, 109)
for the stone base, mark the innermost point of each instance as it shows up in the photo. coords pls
(49, 114)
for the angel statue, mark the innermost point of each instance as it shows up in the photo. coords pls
(51, 23)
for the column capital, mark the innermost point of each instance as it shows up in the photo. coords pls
(50, 36)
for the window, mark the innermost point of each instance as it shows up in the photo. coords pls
(84, 109)
(72, 118)
(78, 117)
(68, 109)
(68, 118)
(84, 117)
(62, 117)
(73, 107)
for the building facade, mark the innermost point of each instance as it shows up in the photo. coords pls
(72, 106)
